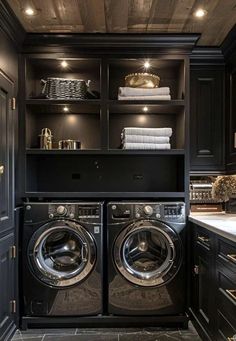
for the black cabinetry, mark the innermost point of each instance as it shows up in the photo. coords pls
(207, 118)
(213, 284)
(231, 117)
(101, 168)
(6, 154)
(7, 294)
(7, 264)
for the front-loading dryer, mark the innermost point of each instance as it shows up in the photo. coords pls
(146, 268)
(61, 263)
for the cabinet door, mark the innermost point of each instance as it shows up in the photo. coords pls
(205, 290)
(202, 291)
(231, 123)
(206, 120)
(6, 286)
(6, 155)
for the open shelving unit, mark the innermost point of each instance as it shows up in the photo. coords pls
(101, 169)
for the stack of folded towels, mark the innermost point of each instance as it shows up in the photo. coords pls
(146, 138)
(156, 94)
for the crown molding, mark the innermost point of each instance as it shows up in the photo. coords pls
(228, 46)
(161, 43)
(10, 25)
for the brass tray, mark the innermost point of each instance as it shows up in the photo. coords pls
(142, 80)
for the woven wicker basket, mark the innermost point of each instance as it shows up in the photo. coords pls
(63, 88)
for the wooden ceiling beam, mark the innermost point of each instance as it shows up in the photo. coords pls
(219, 23)
(93, 15)
(116, 15)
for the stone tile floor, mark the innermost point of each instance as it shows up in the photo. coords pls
(108, 334)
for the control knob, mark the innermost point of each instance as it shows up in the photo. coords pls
(158, 216)
(61, 210)
(51, 215)
(148, 210)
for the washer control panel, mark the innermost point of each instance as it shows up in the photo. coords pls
(73, 211)
(65, 210)
(166, 211)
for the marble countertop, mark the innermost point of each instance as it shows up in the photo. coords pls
(221, 223)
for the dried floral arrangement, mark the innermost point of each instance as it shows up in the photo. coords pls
(224, 187)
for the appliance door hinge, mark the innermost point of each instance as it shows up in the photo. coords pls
(13, 103)
(13, 252)
(13, 306)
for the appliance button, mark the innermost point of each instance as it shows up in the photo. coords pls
(113, 207)
(148, 210)
(61, 210)
(137, 215)
(28, 207)
(51, 215)
(158, 216)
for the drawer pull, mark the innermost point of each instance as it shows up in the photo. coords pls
(231, 293)
(232, 257)
(203, 239)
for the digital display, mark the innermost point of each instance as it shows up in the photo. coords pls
(172, 210)
(88, 212)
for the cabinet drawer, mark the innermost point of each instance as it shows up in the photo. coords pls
(226, 293)
(225, 330)
(203, 238)
(226, 252)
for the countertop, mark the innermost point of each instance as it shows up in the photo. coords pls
(223, 224)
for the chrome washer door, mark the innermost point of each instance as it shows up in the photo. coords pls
(148, 253)
(62, 253)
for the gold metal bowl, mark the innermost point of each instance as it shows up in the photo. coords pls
(142, 80)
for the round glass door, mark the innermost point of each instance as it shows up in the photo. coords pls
(62, 253)
(147, 254)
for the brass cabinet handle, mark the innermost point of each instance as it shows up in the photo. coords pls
(203, 239)
(1, 170)
(232, 257)
(231, 293)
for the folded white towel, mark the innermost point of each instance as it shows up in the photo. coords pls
(144, 139)
(145, 98)
(128, 91)
(147, 131)
(146, 146)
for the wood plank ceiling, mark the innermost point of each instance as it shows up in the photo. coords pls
(130, 16)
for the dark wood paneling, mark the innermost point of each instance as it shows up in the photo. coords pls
(207, 119)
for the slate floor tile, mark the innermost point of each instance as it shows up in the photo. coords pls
(149, 337)
(82, 337)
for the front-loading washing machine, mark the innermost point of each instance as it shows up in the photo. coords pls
(146, 268)
(61, 263)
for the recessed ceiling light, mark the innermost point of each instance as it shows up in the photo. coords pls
(29, 11)
(200, 13)
(65, 109)
(146, 64)
(64, 64)
(145, 109)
